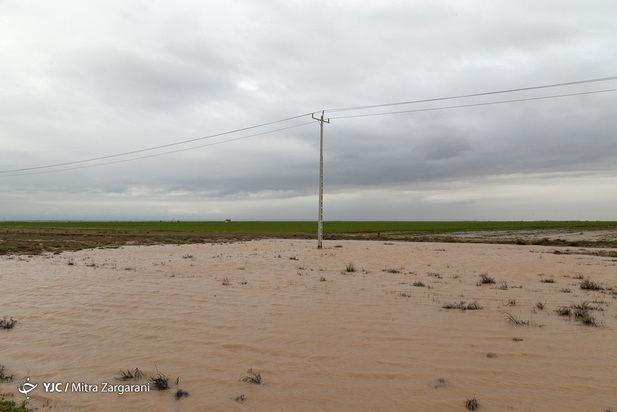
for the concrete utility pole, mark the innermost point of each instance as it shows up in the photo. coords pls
(320, 221)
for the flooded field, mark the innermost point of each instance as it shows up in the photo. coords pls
(357, 325)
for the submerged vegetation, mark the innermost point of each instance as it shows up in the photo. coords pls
(7, 323)
(590, 285)
(472, 404)
(130, 374)
(252, 377)
(462, 306)
(10, 406)
(4, 378)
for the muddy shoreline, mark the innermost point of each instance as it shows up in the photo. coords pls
(34, 241)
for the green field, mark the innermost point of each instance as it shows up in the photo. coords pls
(28, 238)
(311, 227)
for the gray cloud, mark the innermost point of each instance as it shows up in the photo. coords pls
(126, 79)
(83, 82)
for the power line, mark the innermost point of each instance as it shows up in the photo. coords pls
(148, 156)
(154, 147)
(473, 104)
(520, 89)
(16, 172)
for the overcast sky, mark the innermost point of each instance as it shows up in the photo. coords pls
(84, 80)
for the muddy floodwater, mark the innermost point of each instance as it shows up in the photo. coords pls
(355, 326)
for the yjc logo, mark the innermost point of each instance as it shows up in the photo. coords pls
(53, 386)
(26, 387)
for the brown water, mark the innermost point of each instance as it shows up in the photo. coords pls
(363, 340)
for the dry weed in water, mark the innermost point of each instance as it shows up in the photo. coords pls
(587, 318)
(472, 404)
(485, 279)
(589, 285)
(252, 377)
(564, 311)
(160, 382)
(503, 286)
(582, 314)
(131, 374)
(441, 383)
(3, 377)
(7, 323)
(513, 319)
(181, 394)
(462, 306)
(547, 280)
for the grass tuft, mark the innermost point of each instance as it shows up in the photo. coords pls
(585, 306)
(7, 323)
(131, 374)
(564, 311)
(513, 319)
(485, 279)
(589, 285)
(586, 318)
(472, 404)
(252, 377)
(350, 268)
(547, 280)
(160, 382)
(581, 312)
(181, 394)
(4, 378)
(10, 406)
(463, 306)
